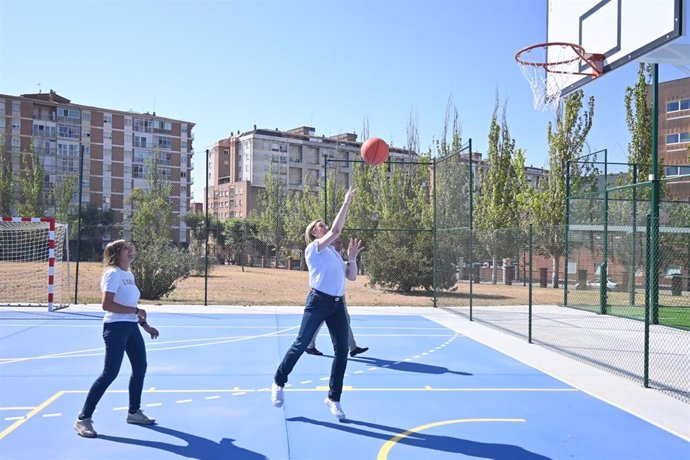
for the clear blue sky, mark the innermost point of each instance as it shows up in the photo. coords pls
(331, 64)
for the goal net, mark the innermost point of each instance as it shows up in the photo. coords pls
(34, 262)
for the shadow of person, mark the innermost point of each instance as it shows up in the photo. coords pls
(423, 440)
(404, 366)
(197, 447)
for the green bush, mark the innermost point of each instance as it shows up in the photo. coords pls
(157, 268)
(198, 260)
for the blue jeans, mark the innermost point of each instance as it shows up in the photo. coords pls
(320, 307)
(120, 337)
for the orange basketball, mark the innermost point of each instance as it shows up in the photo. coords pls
(374, 151)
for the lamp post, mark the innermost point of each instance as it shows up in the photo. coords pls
(206, 228)
(81, 182)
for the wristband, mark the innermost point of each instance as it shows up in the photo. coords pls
(136, 310)
(144, 324)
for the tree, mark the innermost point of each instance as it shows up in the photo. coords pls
(152, 215)
(195, 224)
(396, 203)
(96, 223)
(32, 180)
(498, 204)
(402, 259)
(62, 197)
(301, 207)
(452, 192)
(566, 141)
(6, 179)
(270, 213)
(159, 264)
(239, 234)
(639, 118)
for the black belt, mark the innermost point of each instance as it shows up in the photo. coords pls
(331, 297)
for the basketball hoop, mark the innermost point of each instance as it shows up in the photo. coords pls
(548, 68)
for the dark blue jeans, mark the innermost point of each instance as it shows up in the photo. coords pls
(120, 337)
(319, 308)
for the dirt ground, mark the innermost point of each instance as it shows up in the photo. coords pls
(230, 285)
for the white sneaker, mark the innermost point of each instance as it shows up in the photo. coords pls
(84, 428)
(138, 418)
(335, 408)
(277, 395)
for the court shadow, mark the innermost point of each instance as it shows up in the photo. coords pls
(197, 447)
(429, 441)
(405, 366)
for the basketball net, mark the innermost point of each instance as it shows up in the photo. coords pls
(549, 67)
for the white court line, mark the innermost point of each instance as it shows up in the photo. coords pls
(151, 347)
(183, 401)
(53, 415)
(212, 397)
(99, 324)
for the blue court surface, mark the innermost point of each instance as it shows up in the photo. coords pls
(424, 390)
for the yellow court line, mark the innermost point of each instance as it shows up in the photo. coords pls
(35, 411)
(383, 453)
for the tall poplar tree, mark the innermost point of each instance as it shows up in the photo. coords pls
(32, 181)
(6, 180)
(499, 203)
(566, 138)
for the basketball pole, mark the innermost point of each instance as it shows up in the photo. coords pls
(654, 241)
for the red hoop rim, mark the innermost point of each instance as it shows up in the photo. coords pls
(594, 60)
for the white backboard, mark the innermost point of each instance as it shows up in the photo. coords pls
(623, 30)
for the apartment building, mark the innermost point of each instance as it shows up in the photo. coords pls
(238, 165)
(674, 135)
(117, 147)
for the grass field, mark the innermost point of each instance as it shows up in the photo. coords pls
(673, 310)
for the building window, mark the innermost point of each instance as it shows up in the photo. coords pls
(163, 142)
(676, 138)
(43, 131)
(675, 106)
(677, 170)
(70, 132)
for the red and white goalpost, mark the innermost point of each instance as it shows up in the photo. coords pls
(34, 262)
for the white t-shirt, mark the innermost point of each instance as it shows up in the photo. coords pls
(326, 269)
(122, 283)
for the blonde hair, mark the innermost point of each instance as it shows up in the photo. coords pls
(308, 237)
(113, 252)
